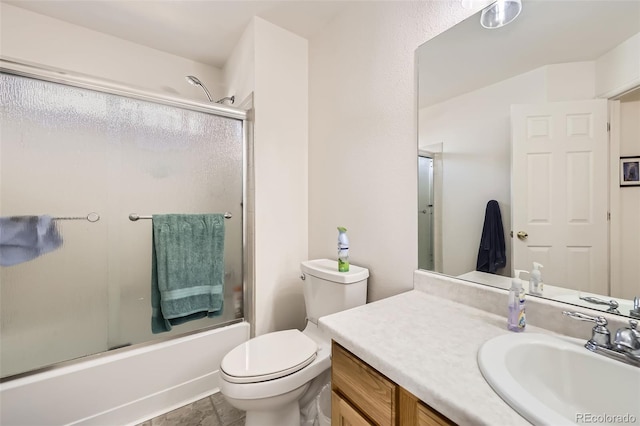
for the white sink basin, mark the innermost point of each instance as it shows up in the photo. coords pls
(553, 380)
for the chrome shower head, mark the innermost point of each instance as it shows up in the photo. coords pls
(193, 80)
(196, 82)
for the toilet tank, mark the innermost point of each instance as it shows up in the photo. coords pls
(327, 291)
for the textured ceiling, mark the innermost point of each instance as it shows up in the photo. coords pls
(205, 31)
(460, 60)
(468, 56)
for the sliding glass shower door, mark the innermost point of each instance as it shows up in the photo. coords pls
(425, 214)
(89, 160)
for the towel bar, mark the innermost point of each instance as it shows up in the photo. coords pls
(135, 216)
(91, 217)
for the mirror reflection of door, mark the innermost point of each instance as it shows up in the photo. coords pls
(559, 185)
(425, 213)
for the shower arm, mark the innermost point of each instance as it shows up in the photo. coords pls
(195, 81)
(231, 99)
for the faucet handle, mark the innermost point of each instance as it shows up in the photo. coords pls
(612, 304)
(633, 324)
(628, 338)
(600, 337)
(635, 312)
(599, 320)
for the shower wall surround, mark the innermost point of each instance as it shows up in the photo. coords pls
(68, 151)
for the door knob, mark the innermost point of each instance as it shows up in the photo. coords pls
(522, 235)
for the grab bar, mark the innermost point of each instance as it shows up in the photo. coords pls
(135, 216)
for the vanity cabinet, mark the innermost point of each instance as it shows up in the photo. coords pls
(361, 396)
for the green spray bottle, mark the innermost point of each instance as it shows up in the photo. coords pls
(343, 250)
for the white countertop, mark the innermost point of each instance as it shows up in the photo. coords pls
(428, 345)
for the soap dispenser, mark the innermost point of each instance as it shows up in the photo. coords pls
(516, 318)
(535, 280)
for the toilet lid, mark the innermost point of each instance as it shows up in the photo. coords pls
(269, 357)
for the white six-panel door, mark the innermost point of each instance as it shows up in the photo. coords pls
(559, 192)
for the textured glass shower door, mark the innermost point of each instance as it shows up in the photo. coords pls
(68, 152)
(425, 214)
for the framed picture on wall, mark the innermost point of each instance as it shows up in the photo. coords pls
(630, 171)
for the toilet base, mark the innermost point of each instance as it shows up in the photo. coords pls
(285, 416)
(281, 410)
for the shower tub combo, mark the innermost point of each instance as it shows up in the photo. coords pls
(75, 323)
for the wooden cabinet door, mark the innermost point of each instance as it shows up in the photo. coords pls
(425, 416)
(343, 414)
(369, 391)
(413, 412)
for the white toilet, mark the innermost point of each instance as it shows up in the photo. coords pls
(271, 376)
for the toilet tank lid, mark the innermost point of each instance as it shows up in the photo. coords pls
(327, 269)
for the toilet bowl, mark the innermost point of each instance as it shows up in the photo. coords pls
(269, 375)
(272, 398)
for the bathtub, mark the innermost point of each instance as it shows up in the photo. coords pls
(126, 386)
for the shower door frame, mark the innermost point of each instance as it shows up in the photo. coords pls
(74, 79)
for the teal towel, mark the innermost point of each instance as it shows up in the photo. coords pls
(187, 276)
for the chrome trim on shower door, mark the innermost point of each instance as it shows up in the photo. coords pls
(54, 75)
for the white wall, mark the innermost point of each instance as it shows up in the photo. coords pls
(280, 154)
(362, 135)
(272, 64)
(238, 73)
(619, 69)
(474, 129)
(570, 81)
(629, 204)
(36, 38)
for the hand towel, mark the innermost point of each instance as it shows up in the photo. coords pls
(23, 238)
(492, 253)
(187, 279)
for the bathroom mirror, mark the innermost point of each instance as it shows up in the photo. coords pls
(487, 101)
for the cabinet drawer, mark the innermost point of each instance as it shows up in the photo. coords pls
(372, 393)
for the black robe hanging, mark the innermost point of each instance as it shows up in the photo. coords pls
(492, 254)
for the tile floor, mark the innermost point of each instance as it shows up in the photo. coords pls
(213, 410)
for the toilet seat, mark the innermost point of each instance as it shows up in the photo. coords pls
(268, 357)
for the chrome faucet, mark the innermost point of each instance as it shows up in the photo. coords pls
(626, 346)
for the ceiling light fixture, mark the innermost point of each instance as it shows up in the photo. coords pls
(500, 13)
